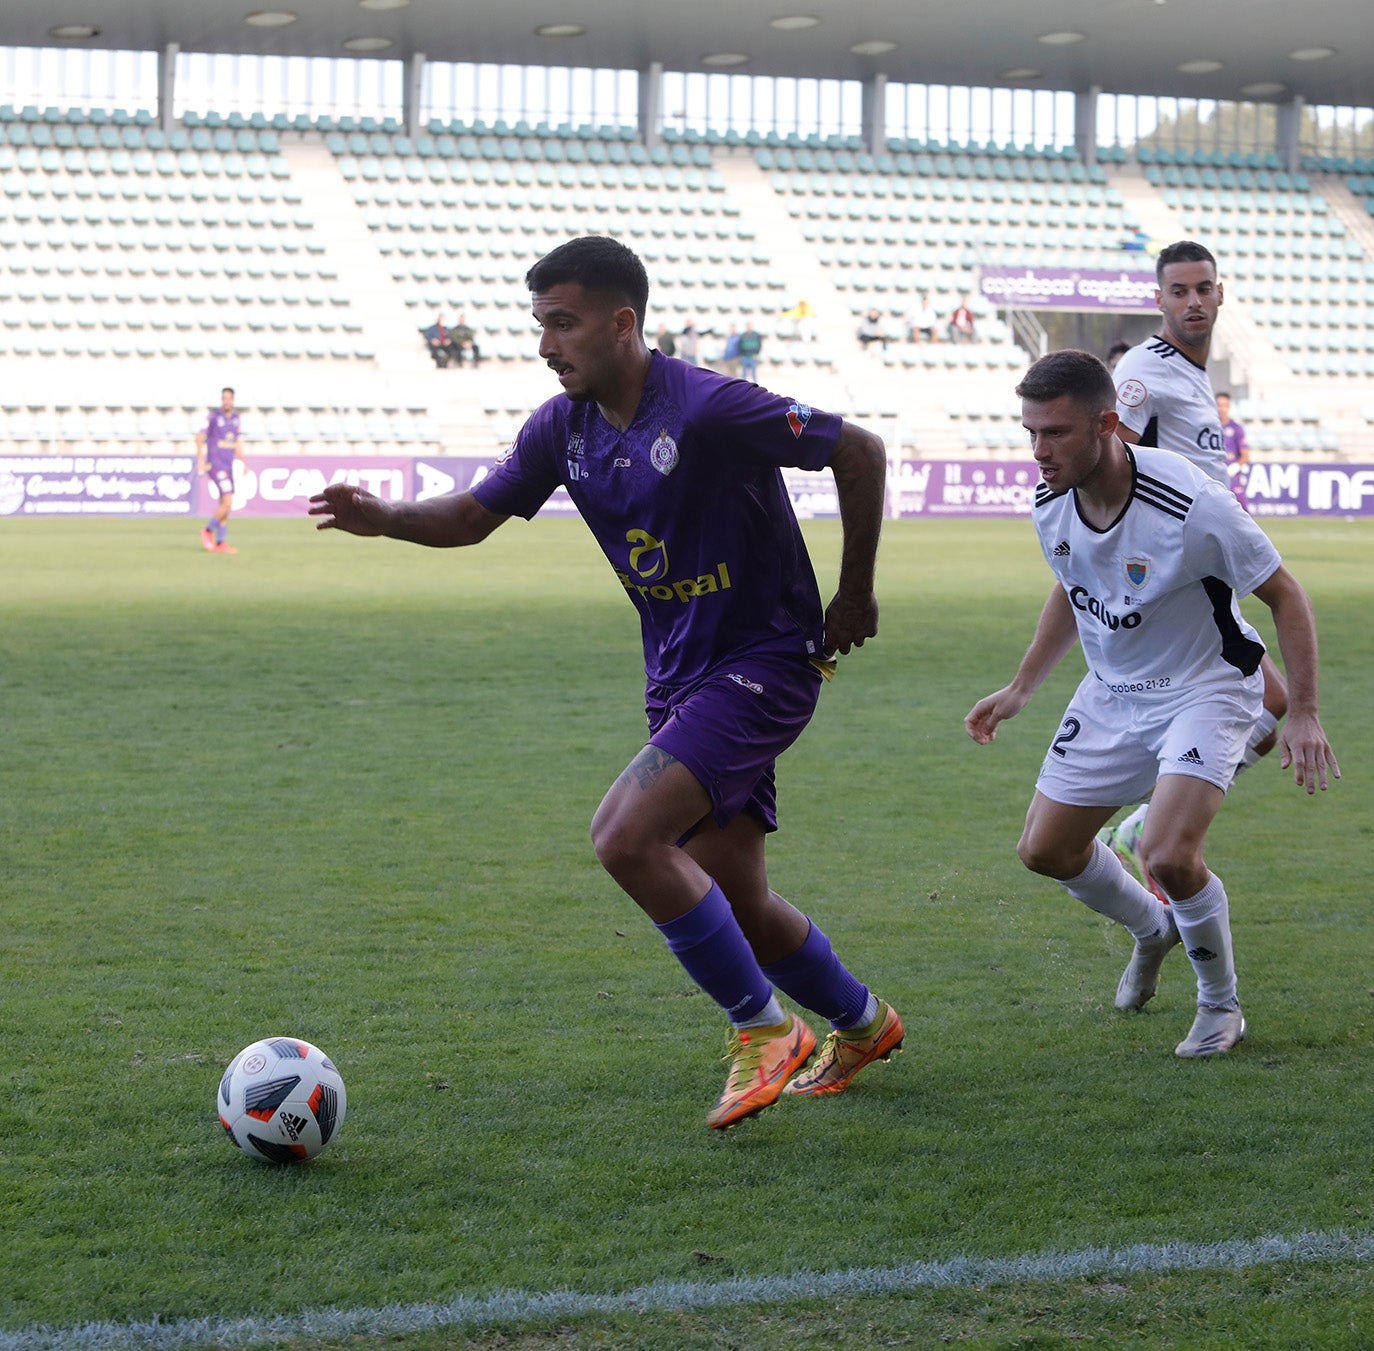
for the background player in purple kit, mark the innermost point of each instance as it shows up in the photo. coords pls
(1236, 446)
(676, 469)
(218, 445)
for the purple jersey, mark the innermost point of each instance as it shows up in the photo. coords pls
(221, 438)
(1233, 437)
(689, 506)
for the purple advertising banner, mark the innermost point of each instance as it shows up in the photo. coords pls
(963, 488)
(266, 485)
(811, 494)
(281, 485)
(1310, 489)
(453, 474)
(1007, 488)
(96, 485)
(1068, 288)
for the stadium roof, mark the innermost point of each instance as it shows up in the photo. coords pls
(1270, 50)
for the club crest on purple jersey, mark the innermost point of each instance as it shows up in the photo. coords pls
(798, 415)
(663, 453)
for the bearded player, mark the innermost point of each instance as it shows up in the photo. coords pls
(677, 471)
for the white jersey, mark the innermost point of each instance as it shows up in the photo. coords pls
(1155, 593)
(1166, 399)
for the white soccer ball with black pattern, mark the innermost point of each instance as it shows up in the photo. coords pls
(281, 1100)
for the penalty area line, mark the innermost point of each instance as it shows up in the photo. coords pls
(522, 1307)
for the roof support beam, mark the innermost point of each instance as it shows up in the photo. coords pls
(166, 85)
(875, 114)
(410, 96)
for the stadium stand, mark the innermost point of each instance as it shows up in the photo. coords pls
(459, 218)
(892, 226)
(298, 257)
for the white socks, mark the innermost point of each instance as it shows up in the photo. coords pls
(1107, 887)
(1263, 728)
(770, 1015)
(1204, 924)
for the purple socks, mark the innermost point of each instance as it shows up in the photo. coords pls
(819, 981)
(713, 950)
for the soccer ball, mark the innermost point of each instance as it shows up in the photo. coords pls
(281, 1100)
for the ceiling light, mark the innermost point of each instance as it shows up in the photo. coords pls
(873, 47)
(270, 18)
(1022, 73)
(383, 4)
(793, 23)
(1203, 66)
(724, 59)
(559, 30)
(1065, 38)
(368, 44)
(70, 31)
(1264, 89)
(1311, 54)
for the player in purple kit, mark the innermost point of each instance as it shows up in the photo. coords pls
(218, 445)
(1237, 448)
(677, 471)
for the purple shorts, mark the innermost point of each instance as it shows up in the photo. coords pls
(730, 727)
(223, 479)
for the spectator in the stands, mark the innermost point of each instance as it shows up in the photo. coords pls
(687, 348)
(750, 345)
(439, 341)
(923, 320)
(871, 330)
(463, 342)
(961, 323)
(730, 358)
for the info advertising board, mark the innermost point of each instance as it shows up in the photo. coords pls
(268, 485)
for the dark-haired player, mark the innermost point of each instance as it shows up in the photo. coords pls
(1165, 399)
(677, 471)
(1149, 554)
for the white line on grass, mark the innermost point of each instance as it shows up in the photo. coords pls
(524, 1307)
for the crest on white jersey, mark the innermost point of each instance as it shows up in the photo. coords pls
(1132, 393)
(663, 454)
(1137, 571)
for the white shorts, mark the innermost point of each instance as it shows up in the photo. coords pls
(1110, 751)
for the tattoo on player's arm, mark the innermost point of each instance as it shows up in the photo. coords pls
(647, 767)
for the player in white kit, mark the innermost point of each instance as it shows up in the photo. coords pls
(1164, 398)
(1149, 555)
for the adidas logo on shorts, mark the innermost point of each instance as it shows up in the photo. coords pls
(1191, 757)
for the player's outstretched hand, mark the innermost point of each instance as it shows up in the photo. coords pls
(848, 621)
(982, 719)
(345, 507)
(1303, 744)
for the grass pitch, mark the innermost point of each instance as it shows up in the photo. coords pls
(340, 789)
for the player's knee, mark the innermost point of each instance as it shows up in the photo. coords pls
(618, 847)
(1177, 872)
(1040, 856)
